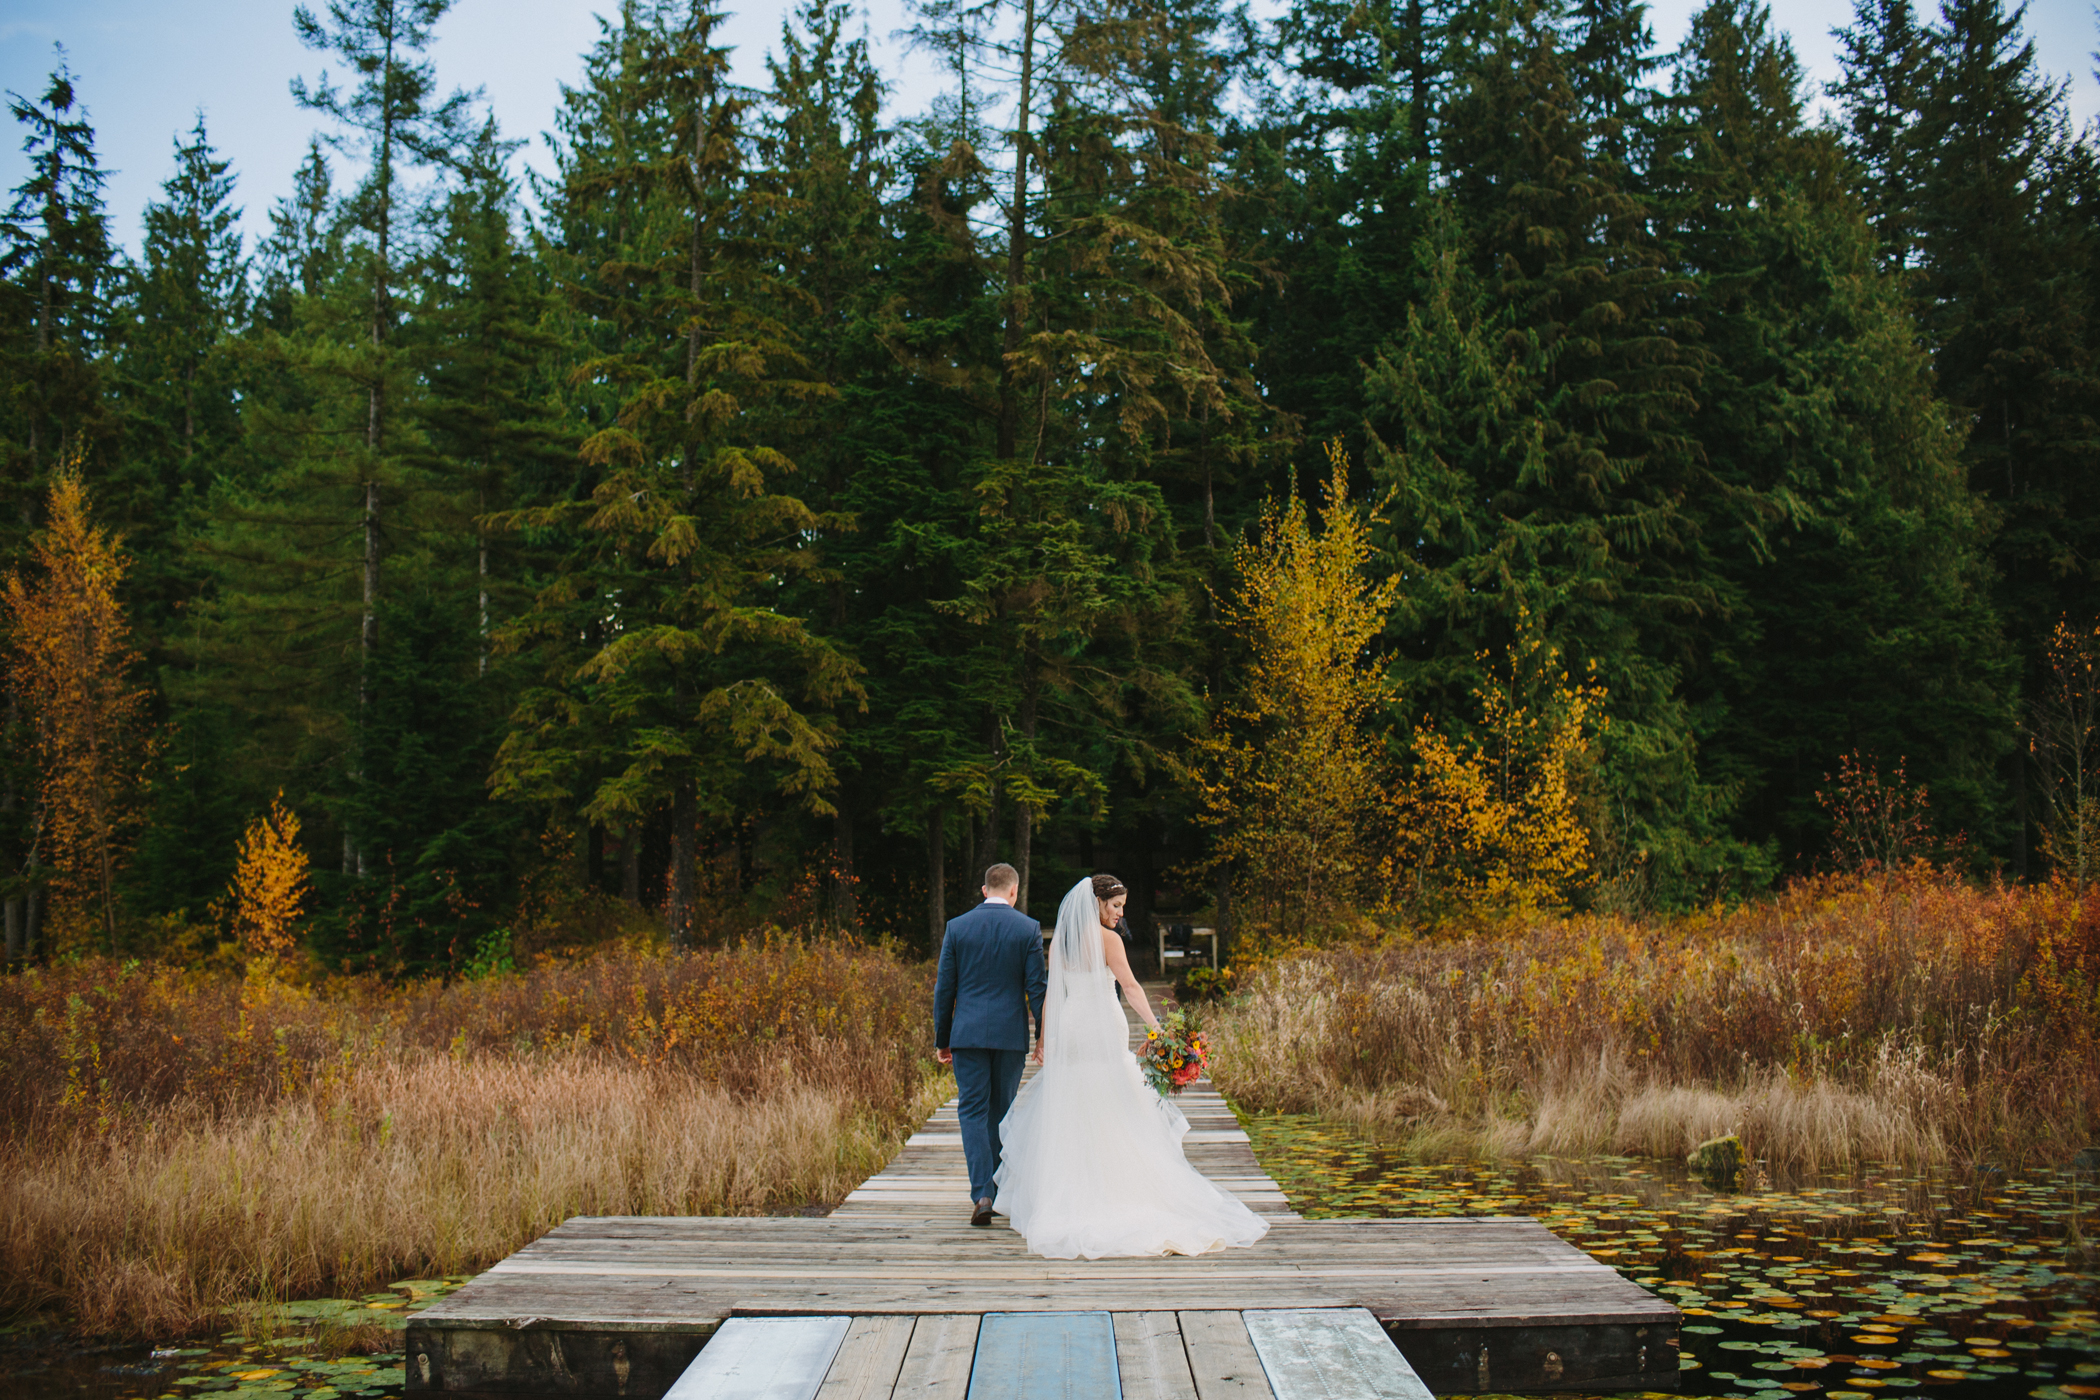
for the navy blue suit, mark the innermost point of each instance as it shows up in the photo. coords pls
(989, 989)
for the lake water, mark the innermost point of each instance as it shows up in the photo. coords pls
(1884, 1281)
(40, 1364)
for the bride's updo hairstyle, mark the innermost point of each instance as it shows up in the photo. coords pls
(1107, 887)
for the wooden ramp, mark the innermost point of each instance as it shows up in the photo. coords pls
(621, 1306)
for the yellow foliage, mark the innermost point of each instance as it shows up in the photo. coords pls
(1291, 777)
(72, 658)
(269, 884)
(1494, 824)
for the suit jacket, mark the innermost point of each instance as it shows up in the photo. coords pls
(991, 980)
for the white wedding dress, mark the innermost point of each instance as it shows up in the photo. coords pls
(1091, 1164)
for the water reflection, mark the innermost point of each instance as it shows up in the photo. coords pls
(1974, 1286)
(289, 1355)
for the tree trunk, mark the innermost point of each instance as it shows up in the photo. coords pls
(32, 924)
(1024, 817)
(14, 905)
(109, 895)
(2020, 816)
(678, 907)
(481, 536)
(1024, 828)
(594, 856)
(631, 863)
(1017, 248)
(1415, 35)
(936, 878)
(375, 438)
(1144, 892)
(972, 868)
(845, 902)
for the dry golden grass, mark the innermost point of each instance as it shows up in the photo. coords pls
(363, 1155)
(1908, 1016)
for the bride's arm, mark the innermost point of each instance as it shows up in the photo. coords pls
(1119, 964)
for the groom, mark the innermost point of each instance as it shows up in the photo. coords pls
(990, 986)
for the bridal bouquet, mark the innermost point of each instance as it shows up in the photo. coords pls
(1172, 1054)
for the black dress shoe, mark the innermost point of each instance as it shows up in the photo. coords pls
(983, 1214)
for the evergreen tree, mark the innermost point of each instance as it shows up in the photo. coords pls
(55, 264)
(188, 298)
(491, 414)
(1532, 428)
(921, 416)
(396, 110)
(444, 857)
(667, 671)
(1881, 56)
(1334, 170)
(305, 246)
(2006, 305)
(1840, 517)
(823, 160)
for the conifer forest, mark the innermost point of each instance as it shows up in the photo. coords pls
(1336, 472)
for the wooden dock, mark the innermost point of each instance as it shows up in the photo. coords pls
(621, 1306)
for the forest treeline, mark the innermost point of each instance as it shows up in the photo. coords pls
(784, 507)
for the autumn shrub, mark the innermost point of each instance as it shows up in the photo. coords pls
(1907, 1014)
(175, 1143)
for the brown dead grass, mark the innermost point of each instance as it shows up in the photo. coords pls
(323, 1142)
(1905, 1017)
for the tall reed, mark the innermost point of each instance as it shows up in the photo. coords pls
(177, 1145)
(1908, 1015)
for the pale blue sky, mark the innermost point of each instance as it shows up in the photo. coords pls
(145, 66)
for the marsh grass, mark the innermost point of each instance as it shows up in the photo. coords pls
(1903, 1017)
(326, 1140)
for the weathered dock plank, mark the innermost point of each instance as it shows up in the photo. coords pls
(772, 1358)
(1151, 1359)
(1330, 1354)
(1222, 1357)
(869, 1360)
(937, 1366)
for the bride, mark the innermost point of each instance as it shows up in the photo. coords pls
(1090, 1161)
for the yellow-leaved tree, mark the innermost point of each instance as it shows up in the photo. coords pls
(71, 677)
(269, 888)
(1291, 775)
(1491, 822)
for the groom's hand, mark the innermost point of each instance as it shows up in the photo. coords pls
(1038, 1055)
(946, 1057)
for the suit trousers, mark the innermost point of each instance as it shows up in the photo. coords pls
(985, 1084)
